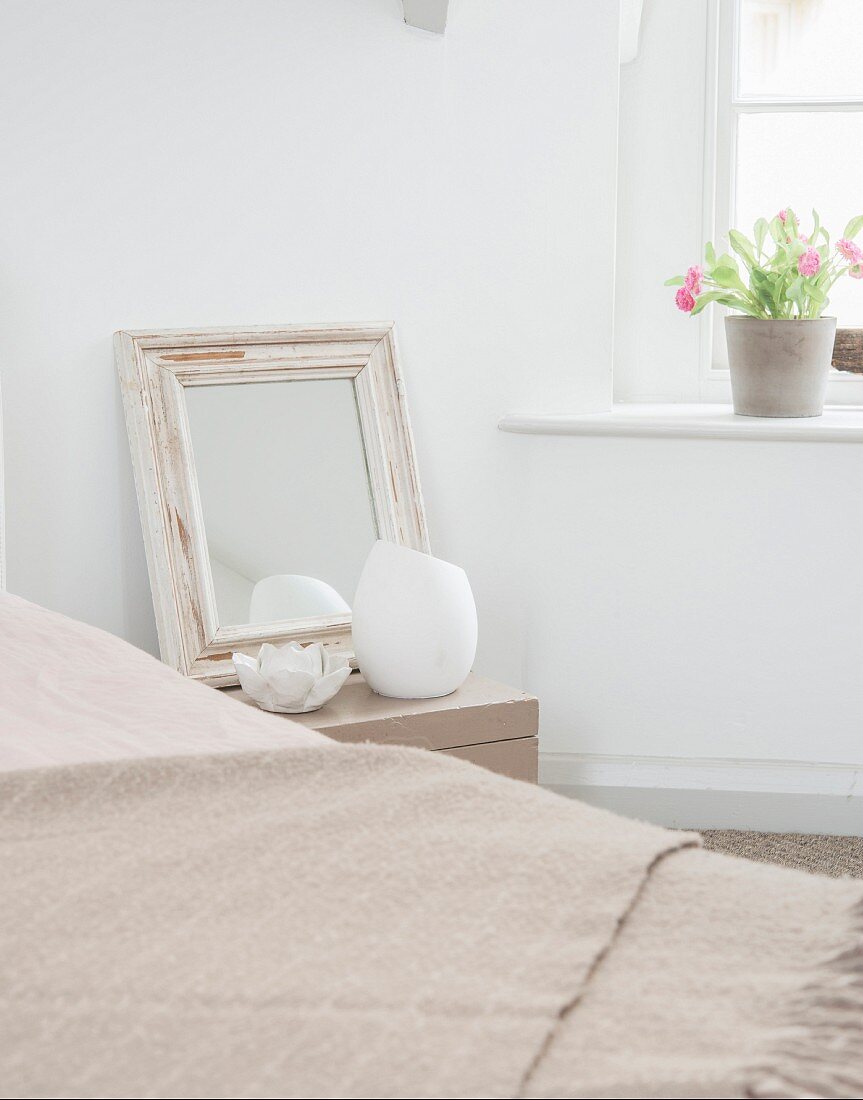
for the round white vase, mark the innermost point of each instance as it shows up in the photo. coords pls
(414, 624)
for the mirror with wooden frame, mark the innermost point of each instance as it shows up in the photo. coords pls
(267, 461)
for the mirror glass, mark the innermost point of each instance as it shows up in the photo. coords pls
(285, 496)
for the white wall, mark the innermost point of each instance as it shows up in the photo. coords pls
(707, 603)
(659, 221)
(690, 600)
(205, 162)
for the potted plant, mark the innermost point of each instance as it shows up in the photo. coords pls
(779, 343)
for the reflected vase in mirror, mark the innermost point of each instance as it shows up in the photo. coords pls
(285, 497)
(414, 624)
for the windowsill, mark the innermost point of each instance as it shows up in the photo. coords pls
(839, 424)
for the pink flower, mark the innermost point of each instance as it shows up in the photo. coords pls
(851, 251)
(782, 215)
(685, 301)
(692, 282)
(809, 263)
(856, 272)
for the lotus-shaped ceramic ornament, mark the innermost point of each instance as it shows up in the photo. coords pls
(291, 680)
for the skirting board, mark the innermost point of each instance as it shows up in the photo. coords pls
(764, 795)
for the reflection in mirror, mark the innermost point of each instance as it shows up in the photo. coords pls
(285, 496)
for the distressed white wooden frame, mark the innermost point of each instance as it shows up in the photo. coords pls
(155, 368)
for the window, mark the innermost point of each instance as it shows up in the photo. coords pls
(789, 129)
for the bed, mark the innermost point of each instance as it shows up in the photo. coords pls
(204, 900)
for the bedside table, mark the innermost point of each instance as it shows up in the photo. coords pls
(484, 722)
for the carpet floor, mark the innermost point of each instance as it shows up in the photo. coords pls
(824, 855)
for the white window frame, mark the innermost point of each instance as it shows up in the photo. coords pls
(723, 108)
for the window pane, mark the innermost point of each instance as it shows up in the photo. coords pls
(804, 160)
(800, 48)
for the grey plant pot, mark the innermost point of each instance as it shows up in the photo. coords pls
(779, 368)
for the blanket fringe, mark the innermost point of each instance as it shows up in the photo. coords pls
(820, 1054)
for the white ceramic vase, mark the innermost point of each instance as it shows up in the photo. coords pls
(414, 624)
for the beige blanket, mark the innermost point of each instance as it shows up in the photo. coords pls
(70, 693)
(366, 921)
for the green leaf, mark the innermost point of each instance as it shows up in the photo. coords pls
(675, 280)
(853, 227)
(761, 231)
(731, 301)
(780, 296)
(796, 292)
(779, 260)
(725, 276)
(743, 247)
(729, 277)
(762, 287)
(748, 308)
(704, 300)
(710, 254)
